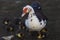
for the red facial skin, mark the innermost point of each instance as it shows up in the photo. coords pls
(25, 10)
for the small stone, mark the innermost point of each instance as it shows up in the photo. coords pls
(23, 27)
(43, 36)
(5, 22)
(19, 22)
(39, 37)
(11, 28)
(19, 35)
(8, 37)
(44, 30)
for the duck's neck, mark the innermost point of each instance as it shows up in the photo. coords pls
(31, 13)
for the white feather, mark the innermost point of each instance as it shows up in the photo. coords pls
(7, 37)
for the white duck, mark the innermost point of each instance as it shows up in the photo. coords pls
(33, 22)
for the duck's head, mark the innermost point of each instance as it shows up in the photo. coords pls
(31, 8)
(27, 9)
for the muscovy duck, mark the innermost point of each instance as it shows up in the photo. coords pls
(35, 19)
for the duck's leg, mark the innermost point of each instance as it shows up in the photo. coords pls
(39, 35)
(44, 32)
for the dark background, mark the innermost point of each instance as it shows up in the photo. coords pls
(51, 8)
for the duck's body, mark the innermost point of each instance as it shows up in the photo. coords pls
(35, 20)
(34, 24)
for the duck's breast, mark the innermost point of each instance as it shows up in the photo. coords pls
(34, 24)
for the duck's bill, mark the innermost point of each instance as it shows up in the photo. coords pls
(23, 15)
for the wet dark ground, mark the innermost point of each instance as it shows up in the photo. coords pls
(13, 8)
